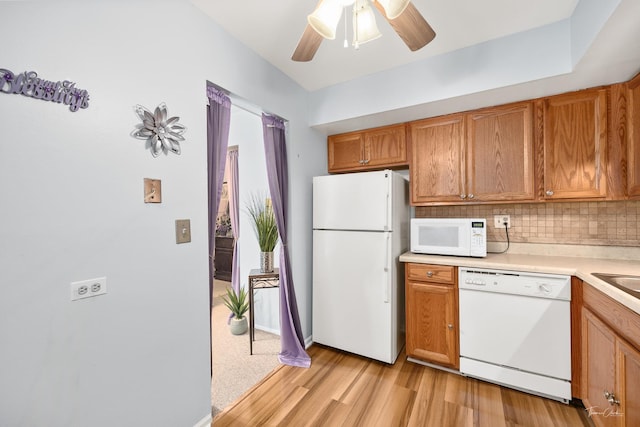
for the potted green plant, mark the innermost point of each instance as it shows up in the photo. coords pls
(238, 304)
(264, 225)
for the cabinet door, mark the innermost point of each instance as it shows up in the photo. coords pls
(598, 369)
(575, 135)
(345, 152)
(633, 143)
(500, 153)
(437, 160)
(432, 323)
(385, 147)
(629, 383)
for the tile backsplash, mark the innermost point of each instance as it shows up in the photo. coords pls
(579, 223)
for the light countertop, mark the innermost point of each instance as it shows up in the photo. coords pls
(581, 267)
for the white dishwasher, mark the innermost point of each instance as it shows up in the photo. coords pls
(515, 330)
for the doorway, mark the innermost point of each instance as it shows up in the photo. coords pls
(234, 371)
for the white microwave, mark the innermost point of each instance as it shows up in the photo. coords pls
(449, 236)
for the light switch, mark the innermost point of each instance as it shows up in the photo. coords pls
(183, 230)
(152, 190)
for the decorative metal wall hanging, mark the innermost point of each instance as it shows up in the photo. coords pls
(29, 84)
(160, 132)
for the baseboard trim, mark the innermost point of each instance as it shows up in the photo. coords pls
(268, 330)
(204, 422)
(308, 342)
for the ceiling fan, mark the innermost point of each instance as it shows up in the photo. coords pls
(403, 16)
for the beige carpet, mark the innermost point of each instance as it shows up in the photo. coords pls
(234, 370)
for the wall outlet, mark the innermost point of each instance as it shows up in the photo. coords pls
(499, 221)
(88, 288)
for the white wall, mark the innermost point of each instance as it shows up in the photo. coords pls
(522, 57)
(587, 21)
(72, 209)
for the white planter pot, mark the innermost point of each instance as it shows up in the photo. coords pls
(238, 326)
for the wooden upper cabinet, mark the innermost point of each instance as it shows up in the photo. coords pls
(574, 143)
(500, 153)
(633, 142)
(484, 155)
(582, 145)
(345, 151)
(386, 147)
(437, 160)
(378, 148)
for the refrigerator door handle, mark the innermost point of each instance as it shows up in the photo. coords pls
(387, 226)
(387, 269)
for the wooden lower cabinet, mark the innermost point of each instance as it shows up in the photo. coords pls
(610, 370)
(598, 365)
(629, 382)
(432, 314)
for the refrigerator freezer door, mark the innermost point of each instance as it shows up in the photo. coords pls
(355, 299)
(353, 201)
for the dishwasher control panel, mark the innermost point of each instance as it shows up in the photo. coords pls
(542, 285)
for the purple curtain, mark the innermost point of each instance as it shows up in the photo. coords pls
(218, 121)
(234, 214)
(292, 342)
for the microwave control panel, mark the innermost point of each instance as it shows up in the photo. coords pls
(478, 238)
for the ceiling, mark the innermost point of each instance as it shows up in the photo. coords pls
(272, 30)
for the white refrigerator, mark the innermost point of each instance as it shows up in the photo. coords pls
(360, 228)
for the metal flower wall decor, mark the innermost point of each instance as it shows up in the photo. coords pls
(160, 132)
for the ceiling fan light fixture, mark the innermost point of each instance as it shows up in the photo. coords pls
(394, 8)
(402, 15)
(364, 23)
(324, 20)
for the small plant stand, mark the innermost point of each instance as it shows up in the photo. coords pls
(259, 280)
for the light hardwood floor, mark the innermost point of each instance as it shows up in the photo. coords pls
(341, 389)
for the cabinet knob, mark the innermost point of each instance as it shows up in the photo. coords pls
(463, 196)
(366, 162)
(471, 196)
(450, 326)
(549, 193)
(611, 398)
(361, 162)
(429, 273)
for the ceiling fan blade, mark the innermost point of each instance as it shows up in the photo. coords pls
(307, 46)
(412, 28)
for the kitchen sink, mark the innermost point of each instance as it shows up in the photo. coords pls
(628, 283)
